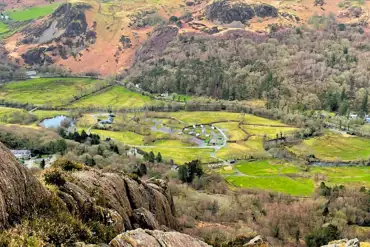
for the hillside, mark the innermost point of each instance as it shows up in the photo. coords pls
(95, 206)
(108, 34)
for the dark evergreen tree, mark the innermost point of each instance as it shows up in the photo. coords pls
(159, 157)
(42, 164)
(151, 157)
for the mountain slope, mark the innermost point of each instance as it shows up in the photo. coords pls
(106, 34)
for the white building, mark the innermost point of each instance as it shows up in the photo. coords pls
(22, 154)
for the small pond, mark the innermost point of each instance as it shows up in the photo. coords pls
(55, 122)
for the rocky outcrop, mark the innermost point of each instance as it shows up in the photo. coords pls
(112, 198)
(344, 243)
(115, 199)
(67, 27)
(148, 238)
(157, 42)
(20, 193)
(227, 12)
(37, 56)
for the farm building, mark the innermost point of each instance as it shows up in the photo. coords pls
(32, 74)
(22, 154)
(108, 121)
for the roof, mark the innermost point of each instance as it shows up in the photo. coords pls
(31, 72)
(21, 151)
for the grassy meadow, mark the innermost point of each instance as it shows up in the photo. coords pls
(46, 91)
(335, 147)
(268, 131)
(181, 155)
(32, 13)
(284, 184)
(126, 137)
(5, 111)
(288, 178)
(232, 130)
(253, 146)
(115, 97)
(3, 27)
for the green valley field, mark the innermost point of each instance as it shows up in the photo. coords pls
(32, 13)
(335, 147)
(47, 91)
(292, 179)
(240, 136)
(115, 97)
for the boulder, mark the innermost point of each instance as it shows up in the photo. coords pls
(114, 198)
(344, 243)
(148, 238)
(20, 193)
(145, 219)
(353, 243)
(256, 241)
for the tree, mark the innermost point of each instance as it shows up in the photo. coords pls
(188, 171)
(343, 108)
(42, 164)
(151, 157)
(159, 157)
(143, 170)
(364, 105)
(83, 135)
(60, 146)
(182, 173)
(324, 190)
(322, 236)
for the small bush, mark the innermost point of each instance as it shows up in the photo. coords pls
(67, 165)
(54, 177)
(322, 236)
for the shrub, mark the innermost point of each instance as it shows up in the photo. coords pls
(67, 165)
(322, 236)
(54, 177)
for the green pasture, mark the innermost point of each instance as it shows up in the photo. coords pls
(32, 13)
(270, 132)
(344, 175)
(284, 184)
(126, 137)
(170, 143)
(46, 91)
(3, 28)
(335, 147)
(266, 168)
(253, 146)
(280, 176)
(4, 111)
(115, 97)
(232, 130)
(42, 114)
(182, 155)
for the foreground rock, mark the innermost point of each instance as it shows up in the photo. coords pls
(148, 238)
(20, 193)
(108, 202)
(114, 198)
(344, 243)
